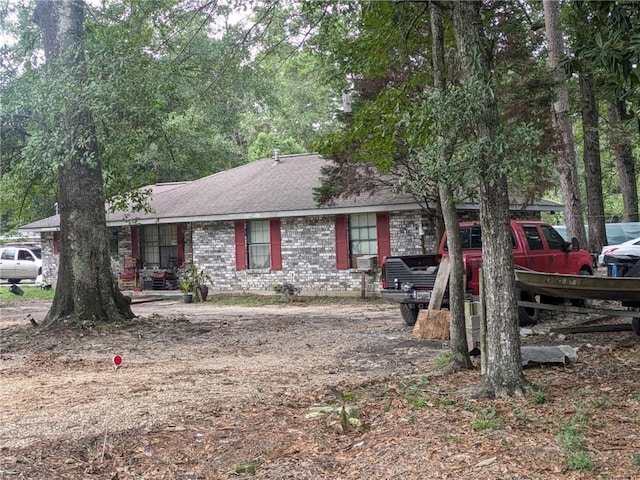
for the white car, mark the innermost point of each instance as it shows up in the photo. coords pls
(20, 263)
(630, 247)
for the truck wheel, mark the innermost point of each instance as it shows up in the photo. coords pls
(635, 325)
(527, 315)
(409, 313)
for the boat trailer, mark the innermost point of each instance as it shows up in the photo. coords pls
(622, 284)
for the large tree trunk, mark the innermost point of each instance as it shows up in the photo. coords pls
(458, 345)
(592, 167)
(504, 368)
(86, 291)
(623, 153)
(566, 163)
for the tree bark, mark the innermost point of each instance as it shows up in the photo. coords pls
(86, 292)
(458, 345)
(566, 163)
(623, 153)
(592, 166)
(504, 368)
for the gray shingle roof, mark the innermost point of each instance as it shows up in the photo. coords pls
(257, 189)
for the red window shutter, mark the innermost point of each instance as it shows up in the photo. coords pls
(342, 242)
(180, 238)
(276, 244)
(384, 236)
(135, 242)
(56, 243)
(241, 245)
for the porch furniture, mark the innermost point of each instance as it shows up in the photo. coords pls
(166, 279)
(128, 278)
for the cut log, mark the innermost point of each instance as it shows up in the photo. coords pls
(432, 324)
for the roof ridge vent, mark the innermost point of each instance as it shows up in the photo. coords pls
(276, 156)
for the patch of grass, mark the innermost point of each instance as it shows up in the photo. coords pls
(254, 300)
(636, 460)
(602, 402)
(488, 420)
(519, 413)
(246, 467)
(452, 438)
(30, 293)
(418, 402)
(442, 360)
(445, 402)
(537, 393)
(412, 385)
(572, 444)
(581, 460)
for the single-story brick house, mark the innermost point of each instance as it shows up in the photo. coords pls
(257, 225)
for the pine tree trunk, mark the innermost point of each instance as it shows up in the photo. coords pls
(504, 368)
(458, 345)
(566, 163)
(86, 292)
(592, 167)
(623, 153)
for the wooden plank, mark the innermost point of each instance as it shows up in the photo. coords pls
(568, 308)
(625, 327)
(439, 288)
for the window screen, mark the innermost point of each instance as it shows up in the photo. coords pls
(258, 244)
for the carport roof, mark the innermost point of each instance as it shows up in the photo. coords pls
(260, 189)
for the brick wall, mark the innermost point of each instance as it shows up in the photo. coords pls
(308, 254)
(308, 258)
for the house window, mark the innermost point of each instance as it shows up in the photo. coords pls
(258, 244)
(157, 244)
(362, 235)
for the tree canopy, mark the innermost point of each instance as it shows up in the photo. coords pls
(177, 90)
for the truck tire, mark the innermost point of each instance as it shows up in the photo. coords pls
(635, 325)
(527, 315)
(409, 313)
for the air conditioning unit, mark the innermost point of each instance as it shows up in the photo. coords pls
(366, 263)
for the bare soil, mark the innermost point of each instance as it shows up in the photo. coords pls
(210, 392)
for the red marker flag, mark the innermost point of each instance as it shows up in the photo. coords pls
(117, 361)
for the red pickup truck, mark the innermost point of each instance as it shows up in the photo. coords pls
(409, 280)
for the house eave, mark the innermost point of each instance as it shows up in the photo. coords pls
(309, 213)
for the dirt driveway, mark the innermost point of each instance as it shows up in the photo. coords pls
(209, 392)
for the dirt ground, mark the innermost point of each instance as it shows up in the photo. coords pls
(210, 392)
